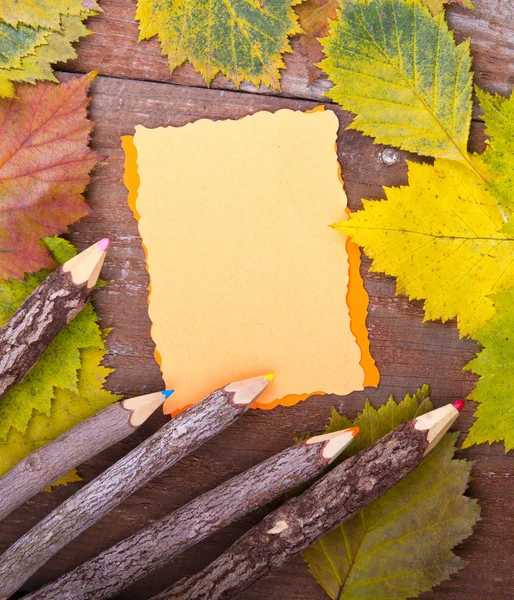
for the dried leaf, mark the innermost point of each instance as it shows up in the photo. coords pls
(442, 238)
(399, 70)
(243, 39)
(44, 168)
(499, 156)
(314, 16)
(495, 365)
(58, 366)
(401, 544)
(68, 409)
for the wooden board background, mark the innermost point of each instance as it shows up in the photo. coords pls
(135, 86)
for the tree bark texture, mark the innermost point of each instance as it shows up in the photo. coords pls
(50, 462)
(152, 547)
(304, 520)
(168, 445)
(27, 334)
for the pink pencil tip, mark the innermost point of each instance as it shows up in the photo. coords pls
(103, 244)
(459, 404)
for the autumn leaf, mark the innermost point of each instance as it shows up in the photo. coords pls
(442, 238)
(36, 34)
(499, 156)
(37, 66)
(68, 409)
(44, 168)
(401, 544)
(58, 366)
(495, 365)
(314, 16)
(243, 39)
(399, 70)
(44, 13)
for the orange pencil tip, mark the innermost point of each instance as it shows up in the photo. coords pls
(355, 431)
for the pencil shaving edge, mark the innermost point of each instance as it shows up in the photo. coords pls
(143, 407)
(335, 442)
(247, 390)
(436, 423)
(86, 266)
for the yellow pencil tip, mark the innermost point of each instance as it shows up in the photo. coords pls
(270, 376)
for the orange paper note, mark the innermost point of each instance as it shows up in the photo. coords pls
(246, 275)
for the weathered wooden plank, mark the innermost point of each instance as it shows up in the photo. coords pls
(114, 51)
(408, 352)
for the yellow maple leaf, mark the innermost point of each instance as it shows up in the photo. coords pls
(243, 39)
(443, 239)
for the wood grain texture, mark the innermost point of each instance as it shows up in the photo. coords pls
(300, 522)
(159, 452)
(408, 352)
(155, 546)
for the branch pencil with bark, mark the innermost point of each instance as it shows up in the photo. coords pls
(172, 442)
(50, 462)
(152, 547)
(304, 520)
(51, 306)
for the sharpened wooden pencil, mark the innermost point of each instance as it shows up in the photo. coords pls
(304, 520)
(51, 306)
(154, 546)
(50, 462)
(169, 444)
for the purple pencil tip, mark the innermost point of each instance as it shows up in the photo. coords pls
(103, 244)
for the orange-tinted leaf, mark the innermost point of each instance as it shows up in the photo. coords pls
(45, 162)
(314, 16)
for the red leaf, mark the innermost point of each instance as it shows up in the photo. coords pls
(45, 162)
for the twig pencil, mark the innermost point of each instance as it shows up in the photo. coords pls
(46, 464)
(169, 444)
(152, 547)
(304, 520)
(51, 306)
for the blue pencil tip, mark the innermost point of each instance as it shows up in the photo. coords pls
(167, 393)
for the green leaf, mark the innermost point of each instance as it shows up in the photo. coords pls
(58, 366)
(401, 544)
(499, 156)
(68, 409)
(44, 13)
(18, 42)
(36, 34)
(243, 39)
(399, 70)
(442, 237)
(37, 66)
(494, 389)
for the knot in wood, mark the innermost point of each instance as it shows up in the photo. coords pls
(366, 484)
(33, 463)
